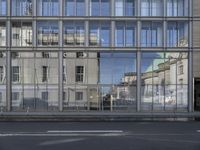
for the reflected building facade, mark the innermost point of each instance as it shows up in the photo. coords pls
(99, 55)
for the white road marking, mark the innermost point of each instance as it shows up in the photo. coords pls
(61, 141)
(85, 131)
(198, 130)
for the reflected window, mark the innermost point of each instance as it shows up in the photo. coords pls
(75, 7)
(21, 7)
(2, 74)
(124, 7)
(177, 7)
(79, 96)
(151, 8)
(45, 96)
(100, 33)
(2, 7)
(2, 34)
(48, 7)
(44, 73)
(151, 34)
(79, 73)
(74, 33)
(15, 74)
(21, 34)
(99, 7)
(125, 34)
(177, 34)
(47, 33)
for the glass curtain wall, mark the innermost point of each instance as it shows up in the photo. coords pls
(21, 7)
(74, 7)
(177, 7)
(151, 34)
(164, 81)
(74, 33)
(99, 34)
(48, 7)
(177, 34)
(99, 7)
(2, 34)
(151, 7)
(34, 81)
(47, 33)
(125, 34)
(2, 7)
(124, 7)
(21, 34)
(2, 81)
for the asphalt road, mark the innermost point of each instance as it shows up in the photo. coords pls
(99, 135)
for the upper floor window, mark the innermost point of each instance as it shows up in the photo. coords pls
(74, 33)
(79, 73)
(2, 76)
(15, 74)
(47, 33)
(21, 7)
(151, 34)
(2, 7)
(99, 8)
(2, 34)
(177, 34)
(48, 7)
(151, 7)
(177, 7)
(124, 7)
(21, 34)
(125, 34)
(44, 73)
(74, 7)
(100, 33)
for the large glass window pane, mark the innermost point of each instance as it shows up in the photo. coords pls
(48, 7)
(2, 7)
(47, 33)
(21, 34)
(151, 7)
(30, 92)
(2, 34)
(21, 7)
(164, 81)
(119, 35)
(177, 7)
(74, 33)
(151, 34)
(177, 34)
(100, 33)
(118, 70)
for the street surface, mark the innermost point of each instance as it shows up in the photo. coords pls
(100, 135)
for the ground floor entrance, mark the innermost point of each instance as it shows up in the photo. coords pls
(197, 94)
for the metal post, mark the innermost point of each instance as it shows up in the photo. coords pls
(86, 33)
(138, 67)
(60, 72)
(8, 59)
(190, 63)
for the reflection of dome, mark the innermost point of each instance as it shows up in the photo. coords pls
(158, 60)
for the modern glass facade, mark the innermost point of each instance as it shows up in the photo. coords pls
(99, 55)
